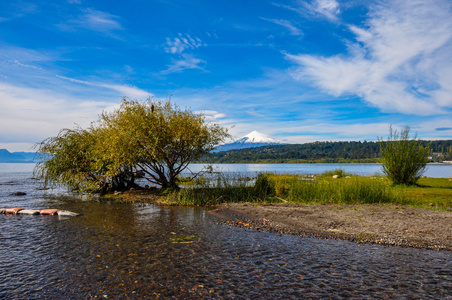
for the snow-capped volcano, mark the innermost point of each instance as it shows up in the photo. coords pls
(252, 139)
(256, 137)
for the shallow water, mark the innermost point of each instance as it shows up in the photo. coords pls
(124, 251)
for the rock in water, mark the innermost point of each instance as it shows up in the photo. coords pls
(18, 194)
(28, 212)
(13, 210)
(67, 213)
(49, 211)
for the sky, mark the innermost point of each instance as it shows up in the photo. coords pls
(297, 70)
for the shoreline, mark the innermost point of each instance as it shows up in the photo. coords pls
(388, 224)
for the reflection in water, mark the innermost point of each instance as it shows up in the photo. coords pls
(124, 251)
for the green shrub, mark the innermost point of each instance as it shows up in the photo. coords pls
(404, 159)
(263, 187)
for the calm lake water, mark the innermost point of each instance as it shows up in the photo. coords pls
(125, 251)
(433, 170)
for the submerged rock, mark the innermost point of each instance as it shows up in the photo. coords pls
(67, 213)
(49, 211)
(18, 194)
(13, 210)
(28, 212)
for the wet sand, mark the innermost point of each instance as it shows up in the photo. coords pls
(382, 224)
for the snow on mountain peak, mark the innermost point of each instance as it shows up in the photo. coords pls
(252, 139)
(257, 137)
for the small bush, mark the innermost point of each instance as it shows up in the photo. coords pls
(263, 187)
(404, 159)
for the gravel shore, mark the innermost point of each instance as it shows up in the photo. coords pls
(381, 224)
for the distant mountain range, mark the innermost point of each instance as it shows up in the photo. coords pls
(251, 140)
(16, 157)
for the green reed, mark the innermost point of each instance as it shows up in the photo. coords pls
(220, 189)
(350, 190)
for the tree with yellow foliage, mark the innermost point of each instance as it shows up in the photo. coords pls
(155, 138)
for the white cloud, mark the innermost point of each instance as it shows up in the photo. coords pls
(29, 115)
(287, 24)
(181, 43)
(125, 90)
(324, 8)
(186, 62)
(211, 115)
(328, 8)
(400, 62)
(95, 20)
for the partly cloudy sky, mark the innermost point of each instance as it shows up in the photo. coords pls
(298, 70)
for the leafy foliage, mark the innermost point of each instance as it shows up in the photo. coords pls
(404, 159)
(67, 159)
(156, 138)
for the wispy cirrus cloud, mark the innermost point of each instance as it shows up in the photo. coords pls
(96, 20)
(185, 62)
(181, 43)
(398, 63)
(125, 90)
(293, 29)
(323, 8)
(211, 115)
(327, 8)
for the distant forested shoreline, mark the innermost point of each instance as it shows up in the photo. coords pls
(319, 152)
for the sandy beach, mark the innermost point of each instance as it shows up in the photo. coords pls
(393, 225)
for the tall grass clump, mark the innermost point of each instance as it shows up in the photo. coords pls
(404, 159)
(340, 191)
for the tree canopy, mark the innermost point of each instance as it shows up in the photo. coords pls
(156, 138)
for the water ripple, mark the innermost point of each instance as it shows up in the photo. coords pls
(123, 251)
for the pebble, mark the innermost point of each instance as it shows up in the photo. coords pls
(268, 226)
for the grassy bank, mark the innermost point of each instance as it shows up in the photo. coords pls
(324, 189)
(222, 189)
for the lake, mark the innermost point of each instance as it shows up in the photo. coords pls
(436, 170)
(127, 251)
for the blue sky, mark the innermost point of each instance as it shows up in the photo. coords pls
(300, 71)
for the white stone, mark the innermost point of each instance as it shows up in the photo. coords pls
(28, 212)
(67, 213)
